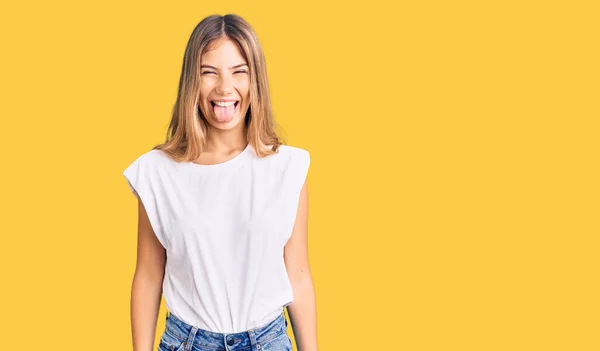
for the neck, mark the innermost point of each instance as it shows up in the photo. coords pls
(225, 141)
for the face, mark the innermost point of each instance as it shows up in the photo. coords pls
(224, 86)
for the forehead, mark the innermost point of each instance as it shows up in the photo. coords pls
(222, 52)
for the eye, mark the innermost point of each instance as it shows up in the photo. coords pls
(241, 71)
(207, 72)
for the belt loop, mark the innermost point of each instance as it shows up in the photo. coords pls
(190, 341)
(253, 344)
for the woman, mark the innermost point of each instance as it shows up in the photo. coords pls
(222, 210)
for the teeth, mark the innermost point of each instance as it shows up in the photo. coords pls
(224, 103)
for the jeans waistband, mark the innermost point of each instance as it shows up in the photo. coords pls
(241, 341)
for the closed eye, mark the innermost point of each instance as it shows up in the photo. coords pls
(207, 72)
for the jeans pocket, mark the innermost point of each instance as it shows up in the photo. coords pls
(282, 342)
(169, 342)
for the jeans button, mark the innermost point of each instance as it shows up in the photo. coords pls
(230, 342)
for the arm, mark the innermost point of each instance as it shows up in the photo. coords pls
(146, 289)
(302, 311)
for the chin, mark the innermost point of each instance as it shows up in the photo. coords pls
(233, 124)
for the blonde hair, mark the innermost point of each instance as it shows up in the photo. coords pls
(187, 132)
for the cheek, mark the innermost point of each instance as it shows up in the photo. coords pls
(243, 86)
(244, 90)
(206, 87)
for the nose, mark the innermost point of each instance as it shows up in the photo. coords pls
(225, 85)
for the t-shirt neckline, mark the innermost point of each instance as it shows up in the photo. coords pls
(232, 162)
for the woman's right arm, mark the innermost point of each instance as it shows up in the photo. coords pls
(146, 290)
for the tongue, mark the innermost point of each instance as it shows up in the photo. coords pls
(224, 114)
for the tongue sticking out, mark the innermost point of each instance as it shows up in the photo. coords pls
(224, 114)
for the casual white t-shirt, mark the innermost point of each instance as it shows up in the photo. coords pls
(224, 228)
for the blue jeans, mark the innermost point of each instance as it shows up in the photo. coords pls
(180, 336)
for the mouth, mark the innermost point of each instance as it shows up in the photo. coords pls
(221, 103)
(224, 110)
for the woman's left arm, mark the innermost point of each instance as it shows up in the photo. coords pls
(303, 310)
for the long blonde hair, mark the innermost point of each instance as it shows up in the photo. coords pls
(187, 132)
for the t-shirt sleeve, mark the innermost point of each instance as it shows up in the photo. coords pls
(299, 166)
(139, 180)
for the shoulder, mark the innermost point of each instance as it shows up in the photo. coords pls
(288, 160)
(147, 164)
(294, 153)
(294, 160)
(151, 157)
(155, 155)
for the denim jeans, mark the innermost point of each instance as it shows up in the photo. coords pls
(180, 336)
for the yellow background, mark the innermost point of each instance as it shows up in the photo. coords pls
(454, 189)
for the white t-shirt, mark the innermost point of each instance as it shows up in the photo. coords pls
(224, 227)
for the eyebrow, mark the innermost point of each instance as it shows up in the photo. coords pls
(215, 68)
